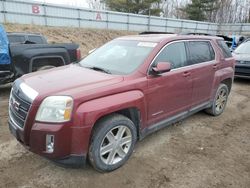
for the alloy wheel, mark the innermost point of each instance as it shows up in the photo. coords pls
(115, 145)
(221, 100)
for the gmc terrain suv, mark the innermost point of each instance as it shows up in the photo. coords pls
(128, 88)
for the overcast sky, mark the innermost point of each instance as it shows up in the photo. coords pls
(78, 3)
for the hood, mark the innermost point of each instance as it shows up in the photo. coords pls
(241, 57)
(67, 80)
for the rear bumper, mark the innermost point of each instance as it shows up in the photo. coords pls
(242, 71)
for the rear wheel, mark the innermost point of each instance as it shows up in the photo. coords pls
(220, 101)
(112, 142)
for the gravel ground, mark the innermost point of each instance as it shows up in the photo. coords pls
(202, 151)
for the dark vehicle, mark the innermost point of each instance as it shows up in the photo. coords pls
(228, 40)
(30, 52)
(242, 56)
(132, 86)
(32, 38)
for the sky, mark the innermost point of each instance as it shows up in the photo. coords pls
(77, 3)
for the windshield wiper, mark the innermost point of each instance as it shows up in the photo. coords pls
(100, 69)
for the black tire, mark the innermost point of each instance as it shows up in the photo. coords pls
(214, 110)
(99, 137)
(45, 67)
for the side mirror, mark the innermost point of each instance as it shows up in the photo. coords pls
(91, 51)
(161, 67)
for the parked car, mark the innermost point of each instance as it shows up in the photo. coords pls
(242, 56)
(28, 53)
(117, 95)
(228, 40)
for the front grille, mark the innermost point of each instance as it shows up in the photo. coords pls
(245, 70)
(243, 62)
(18, 107)
(238, 62)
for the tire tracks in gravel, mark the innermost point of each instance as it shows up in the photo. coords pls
(18, 164)
(221, 129)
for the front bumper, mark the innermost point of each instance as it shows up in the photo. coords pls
(6, 77)
(242, 71)
(72, 161)
(70, 144)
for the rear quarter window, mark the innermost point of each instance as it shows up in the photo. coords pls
(200, 51)
(36, 39)
(225, 50)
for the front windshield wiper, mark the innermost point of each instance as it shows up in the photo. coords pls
(99, 69)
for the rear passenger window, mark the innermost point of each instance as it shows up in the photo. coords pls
(200, 51)
(175, 54)
(223, 46)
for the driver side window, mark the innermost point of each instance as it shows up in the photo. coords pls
(175, 54)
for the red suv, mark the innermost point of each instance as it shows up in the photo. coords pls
(121, 92)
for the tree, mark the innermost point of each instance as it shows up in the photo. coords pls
(248, 19)
(172, 8)
(96, 4)
(146, 7)
(201, 10)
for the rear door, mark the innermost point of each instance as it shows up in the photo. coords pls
(170, 93)
(202, 60)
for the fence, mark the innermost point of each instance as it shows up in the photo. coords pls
(13, 11)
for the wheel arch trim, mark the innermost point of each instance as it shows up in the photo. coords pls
(91, 111)
(44, 57)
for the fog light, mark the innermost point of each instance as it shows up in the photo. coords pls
(49, 143)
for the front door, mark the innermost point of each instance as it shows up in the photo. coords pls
(170, 93)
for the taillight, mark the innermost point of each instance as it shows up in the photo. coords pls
(78, 54)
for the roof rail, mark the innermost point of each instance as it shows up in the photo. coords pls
(205, 34)
(154, 32)
(23, 33)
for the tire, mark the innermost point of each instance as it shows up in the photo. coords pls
(45, 67)
(112, 142)
(219, 101)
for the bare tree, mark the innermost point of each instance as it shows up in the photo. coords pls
(224, 11)
(96, 4)
(171, 8)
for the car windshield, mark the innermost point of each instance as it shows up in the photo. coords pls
(118, 56)
(244, 48)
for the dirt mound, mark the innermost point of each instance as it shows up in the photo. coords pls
(87, 38)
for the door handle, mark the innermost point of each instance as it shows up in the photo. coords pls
(186, 73)
(215, 66)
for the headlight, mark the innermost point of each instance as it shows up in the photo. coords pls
(55, 109)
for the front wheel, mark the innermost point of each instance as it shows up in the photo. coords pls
(112, 142)
(220, 101)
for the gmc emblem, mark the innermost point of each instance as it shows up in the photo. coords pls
(15, 104)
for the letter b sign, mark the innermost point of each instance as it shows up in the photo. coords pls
(35, 9)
